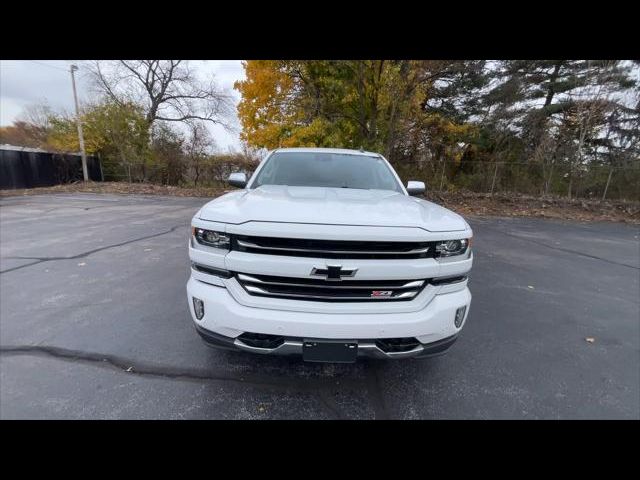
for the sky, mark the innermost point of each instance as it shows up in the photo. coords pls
(25, 82)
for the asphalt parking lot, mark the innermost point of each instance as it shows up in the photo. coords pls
(94, 324)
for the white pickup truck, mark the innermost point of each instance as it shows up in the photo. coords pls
(324, 253)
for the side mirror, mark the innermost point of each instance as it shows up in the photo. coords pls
(415, 188)
(237, 179)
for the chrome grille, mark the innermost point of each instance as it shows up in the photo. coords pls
(333, 248)
(330, 291)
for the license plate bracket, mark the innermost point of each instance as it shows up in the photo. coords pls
(332, 351)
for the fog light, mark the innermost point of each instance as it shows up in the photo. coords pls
(459, 316)
(198, 308)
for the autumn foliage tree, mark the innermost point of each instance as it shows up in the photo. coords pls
(537, 126)
(320, 103)
(31, 128)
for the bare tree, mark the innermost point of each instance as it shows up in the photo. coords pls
(168, 89)
(622, 140)
(34, 124)
(588, 113)
(38, 114)
(198, 149)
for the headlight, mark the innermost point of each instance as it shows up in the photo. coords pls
(449, 248)
(211, 238)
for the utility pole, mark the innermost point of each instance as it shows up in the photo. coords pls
(85, 173)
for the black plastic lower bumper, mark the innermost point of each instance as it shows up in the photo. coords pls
(437, 348)
(428, 349)
(215, 339)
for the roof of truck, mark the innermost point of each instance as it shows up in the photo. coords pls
(343, 151)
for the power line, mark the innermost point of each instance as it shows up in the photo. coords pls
(48, 65)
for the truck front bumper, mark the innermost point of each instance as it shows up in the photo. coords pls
(294, 346)
(226, 322)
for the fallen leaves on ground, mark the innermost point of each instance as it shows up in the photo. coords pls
(519, 205)
(120, 188)
(463, 202)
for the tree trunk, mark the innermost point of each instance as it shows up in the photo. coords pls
(552, 82)
(125, 164)
(495, 174)
(606, 187)
(100, 165)
(548, 182)
(583, 134)
(391, 128)
(373, 130)
(144, 170)
(554, 158)
(362, 114)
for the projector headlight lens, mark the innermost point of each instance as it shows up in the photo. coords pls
(211, 238)
(450, 248)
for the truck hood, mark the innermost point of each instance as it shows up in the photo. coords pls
(330, 206)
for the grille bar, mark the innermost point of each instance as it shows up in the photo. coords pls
(334, 248)
(410, 284)
(415, 251)
(330, 291)
(261, 291)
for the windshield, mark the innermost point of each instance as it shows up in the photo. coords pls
(319, 169)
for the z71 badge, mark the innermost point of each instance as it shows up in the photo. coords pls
(381, 293)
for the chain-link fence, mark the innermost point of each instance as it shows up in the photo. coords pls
(582, 181)
(206, 173)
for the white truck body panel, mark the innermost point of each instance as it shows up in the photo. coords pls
(302, 216)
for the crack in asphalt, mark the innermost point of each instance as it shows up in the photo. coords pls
(49, 210)
(317, 387)
(20, 266)
(85, 254)
(566, 250)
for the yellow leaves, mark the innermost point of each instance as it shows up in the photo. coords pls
(106, 126)
(311, 135)
(263, 110)
(445, 130)
(63, 136)
(348, 104)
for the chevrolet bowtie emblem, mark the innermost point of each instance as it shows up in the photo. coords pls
(334, 272)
